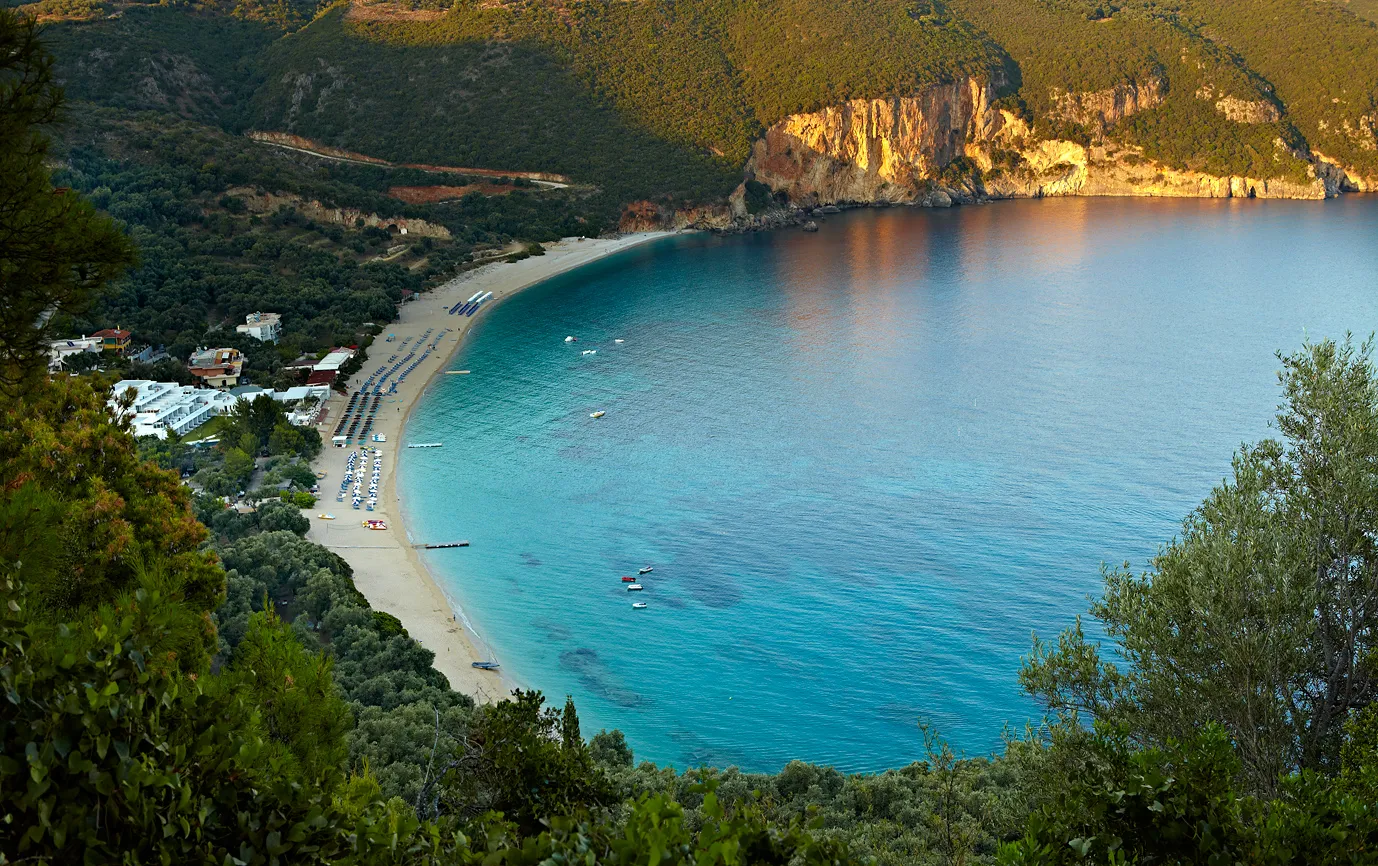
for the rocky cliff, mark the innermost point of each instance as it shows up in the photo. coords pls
(909, 149)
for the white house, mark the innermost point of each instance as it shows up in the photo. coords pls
(264, 327)
(334, 360)
(60, 350)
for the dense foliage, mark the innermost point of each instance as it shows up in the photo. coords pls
(1069, 48)
(57, 249)
(85, 518)
(713, 74)
(213, 248)
(1262, 617)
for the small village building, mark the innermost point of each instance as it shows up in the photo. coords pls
(304, 401)
(326, 369)
(264, 327)
(59, 351)
(218, 368)
(334, 359)
(114, 340)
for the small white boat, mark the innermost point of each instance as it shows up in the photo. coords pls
(638, 605)
(617, 341)
(646, 570)
(599, 414)
(634, 587)
(590, 351)
(571, 340)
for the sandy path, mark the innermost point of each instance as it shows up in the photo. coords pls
(387, 568)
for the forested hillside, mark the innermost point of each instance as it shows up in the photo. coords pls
(225, 228)
(1163, 86)
(1216, 89)
(643, 99)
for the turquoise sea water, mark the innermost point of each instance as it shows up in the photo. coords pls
(866, 464)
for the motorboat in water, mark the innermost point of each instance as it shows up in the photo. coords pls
(629, 580)
(646, 570)
(634, 587)
(571, 339)
(638, 605)
(599, 414)
(590, 351)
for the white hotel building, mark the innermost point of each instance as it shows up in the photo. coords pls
(162, 406)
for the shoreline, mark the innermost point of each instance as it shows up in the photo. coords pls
(388, 568)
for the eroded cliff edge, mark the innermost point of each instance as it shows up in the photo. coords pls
(949, 144)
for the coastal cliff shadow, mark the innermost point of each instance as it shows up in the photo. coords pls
(594, 675)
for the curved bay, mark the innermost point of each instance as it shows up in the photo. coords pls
(866, 464)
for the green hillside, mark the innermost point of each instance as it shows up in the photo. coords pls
(1321, 61)
(194, 65)
(638, 100)
(1078, 46)
(1315, 62)
(183, 191)
(643, 99)
(501, 105)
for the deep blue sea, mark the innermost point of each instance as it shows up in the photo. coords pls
(865, 464)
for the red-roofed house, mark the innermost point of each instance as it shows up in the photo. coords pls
(219, 368)
(114, 340)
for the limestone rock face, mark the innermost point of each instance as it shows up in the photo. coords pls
(908, 150)
(870, 150)
(1247, 111)
(1100, 108)
(948, 144)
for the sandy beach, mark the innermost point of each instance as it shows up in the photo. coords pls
(387, 567)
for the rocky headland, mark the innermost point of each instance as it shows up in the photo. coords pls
(950, 144)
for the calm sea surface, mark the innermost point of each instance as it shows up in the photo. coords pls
(866, 464)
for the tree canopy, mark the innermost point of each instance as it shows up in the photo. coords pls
(1261, 618)
(57, 248)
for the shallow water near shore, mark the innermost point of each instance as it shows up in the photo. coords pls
(866, 464)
